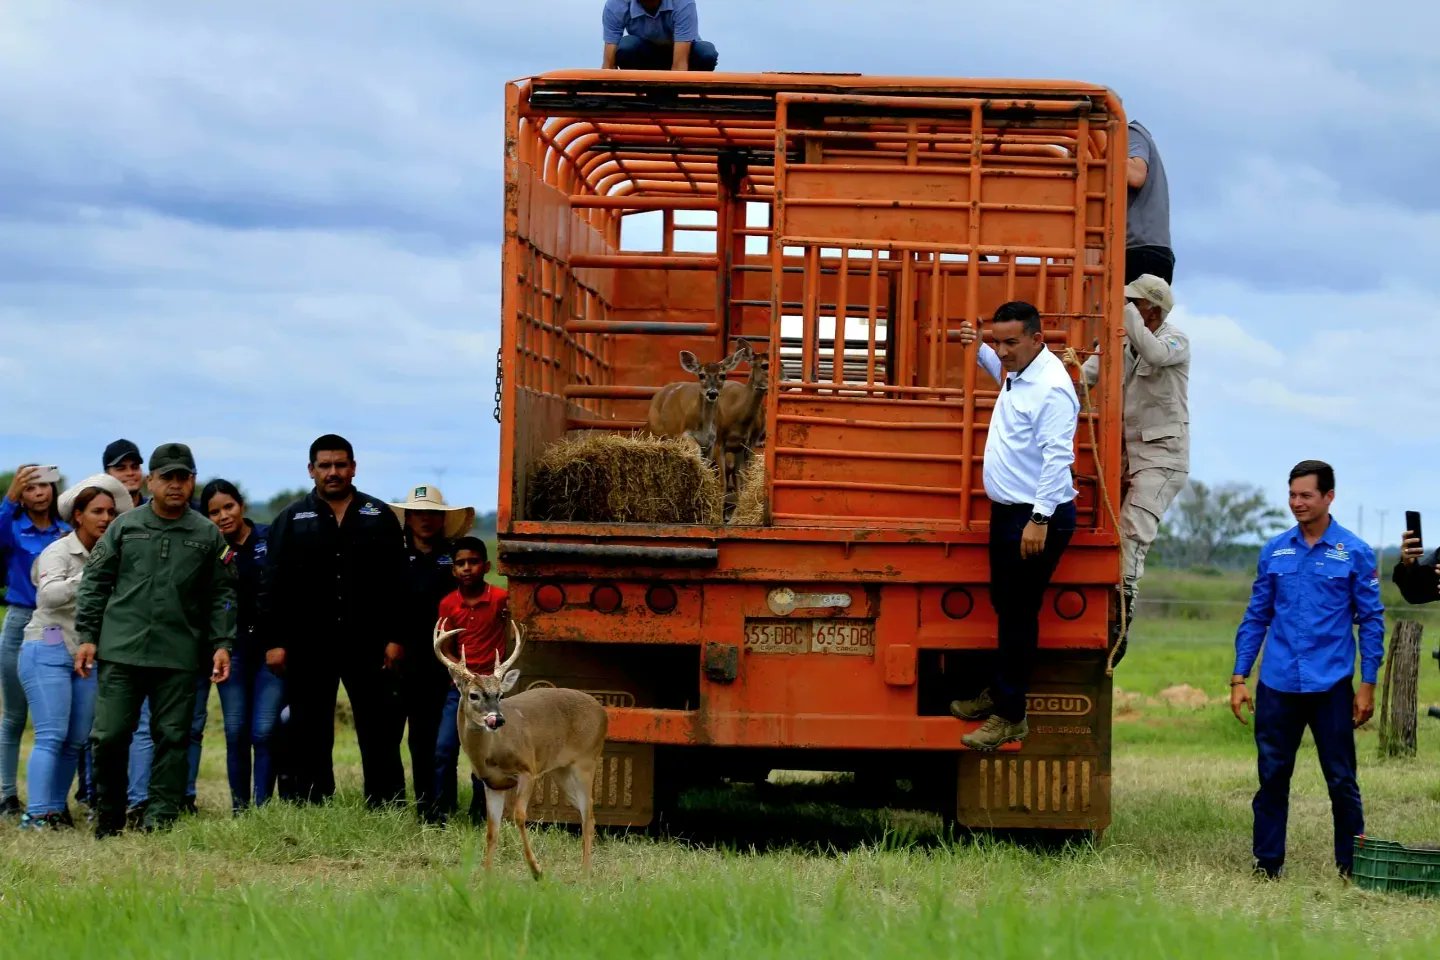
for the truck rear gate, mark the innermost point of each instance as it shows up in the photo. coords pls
(848, 225)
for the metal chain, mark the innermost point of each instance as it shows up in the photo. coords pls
(499, 379)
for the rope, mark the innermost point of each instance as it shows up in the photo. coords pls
(1074, 360)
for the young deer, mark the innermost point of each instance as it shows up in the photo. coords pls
(688, 408)
(740, 414)
(544, 730)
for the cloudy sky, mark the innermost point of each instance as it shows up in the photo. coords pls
(245, 224)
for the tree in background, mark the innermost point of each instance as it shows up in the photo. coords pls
(270, 509)
(1216, 526)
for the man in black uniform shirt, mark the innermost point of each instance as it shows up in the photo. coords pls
(337, 579)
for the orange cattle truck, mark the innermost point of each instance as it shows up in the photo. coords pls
(845, 227)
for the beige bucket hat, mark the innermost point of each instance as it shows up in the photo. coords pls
(116, 489)
(427, 496)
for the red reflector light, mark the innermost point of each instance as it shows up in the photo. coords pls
(550, 597)
(957, 603)
(661, 598)
(605, 598)
(1070, 604)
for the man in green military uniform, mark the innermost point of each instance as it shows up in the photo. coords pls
(156, 604)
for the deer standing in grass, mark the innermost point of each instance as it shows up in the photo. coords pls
(543, 730)
(688, 407)
(740, 414)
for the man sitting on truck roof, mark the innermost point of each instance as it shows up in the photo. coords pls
(655, 35)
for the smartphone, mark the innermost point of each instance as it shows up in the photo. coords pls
(1412, 523)
(48, 475)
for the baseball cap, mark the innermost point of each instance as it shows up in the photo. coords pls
(118, 451)
(1151, 288)
(169, 457)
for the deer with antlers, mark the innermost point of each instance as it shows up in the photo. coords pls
(689, 407)
(546, 730)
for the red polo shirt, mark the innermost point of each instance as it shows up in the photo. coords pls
(485, 621)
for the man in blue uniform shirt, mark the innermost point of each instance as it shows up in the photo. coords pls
(1315, 583)
(654, 35)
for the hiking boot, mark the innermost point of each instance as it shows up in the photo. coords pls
(995, 732)
(975, 709)
(189, 807)
(135, 815)
(10, 808)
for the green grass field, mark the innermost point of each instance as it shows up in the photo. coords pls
(1167, 880)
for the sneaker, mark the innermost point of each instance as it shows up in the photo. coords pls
(46, 821)
(977, 709)
(10, 808)
(995, 732)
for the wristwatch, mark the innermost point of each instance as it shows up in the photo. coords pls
(1039, 520)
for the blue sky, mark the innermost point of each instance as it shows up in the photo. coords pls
(245, 224)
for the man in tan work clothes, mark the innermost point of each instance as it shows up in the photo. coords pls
(1157, 422)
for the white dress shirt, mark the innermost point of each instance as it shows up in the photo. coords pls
(1031, 441)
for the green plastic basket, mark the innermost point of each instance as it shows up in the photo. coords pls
(1391, 867)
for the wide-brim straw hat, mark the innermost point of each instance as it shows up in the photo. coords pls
(116, 489)
(427, 496)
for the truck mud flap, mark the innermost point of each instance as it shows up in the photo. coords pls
(624, 790)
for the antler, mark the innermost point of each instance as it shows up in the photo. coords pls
(500, 668)
(440, 636)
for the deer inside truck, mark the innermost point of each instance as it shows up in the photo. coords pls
(838, 230)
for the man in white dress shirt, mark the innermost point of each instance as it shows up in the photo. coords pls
(1029, 449)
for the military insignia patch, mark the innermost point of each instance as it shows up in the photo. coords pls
(227, 554)
(98, 554)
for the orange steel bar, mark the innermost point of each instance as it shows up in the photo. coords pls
(879, 387)
(842, 310)
(856, 394)
(939, 426)
(1081, 175)
(777, 278)
(636, 202)
(581, 423)
(953, 104)
(903, 335)
(916, 246)
(873, 318)
(643, 261)
(936, 321)
(579, 391)
(844, 454)
(928, 205)
(862, 487)
(972, 315)
(682, 727)
(661, 328)
(810, 331)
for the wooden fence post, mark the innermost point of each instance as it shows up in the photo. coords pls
(1400, 697)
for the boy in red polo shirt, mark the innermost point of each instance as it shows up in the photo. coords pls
(479, 609)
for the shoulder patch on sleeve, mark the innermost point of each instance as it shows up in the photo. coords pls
(98, 554)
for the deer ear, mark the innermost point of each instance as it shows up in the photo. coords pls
(689, 362)
(743, 348)
(732, 361)
(512, 677)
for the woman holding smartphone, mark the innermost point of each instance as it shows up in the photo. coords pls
(60, 691)
(29, 522)
(251, 699)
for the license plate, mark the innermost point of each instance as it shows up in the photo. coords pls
(845, 637)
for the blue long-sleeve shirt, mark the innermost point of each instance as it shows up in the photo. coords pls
(1304, 608)
(20, 543)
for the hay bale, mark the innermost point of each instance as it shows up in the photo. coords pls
(598, 477)
(751, 507)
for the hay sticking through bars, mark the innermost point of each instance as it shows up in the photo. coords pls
(751, 507)
(612, 478)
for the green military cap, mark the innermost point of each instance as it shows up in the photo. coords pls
(170, 457)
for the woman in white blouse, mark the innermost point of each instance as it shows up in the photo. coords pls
(60, 691)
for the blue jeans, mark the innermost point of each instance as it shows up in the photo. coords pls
(1280, 722)
(633, 53)
(12, 697)
(142, 747)
(62, 706)
(447, 754)
(251, 701)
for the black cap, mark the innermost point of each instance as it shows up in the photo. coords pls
(118, 451)
(169, 457)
